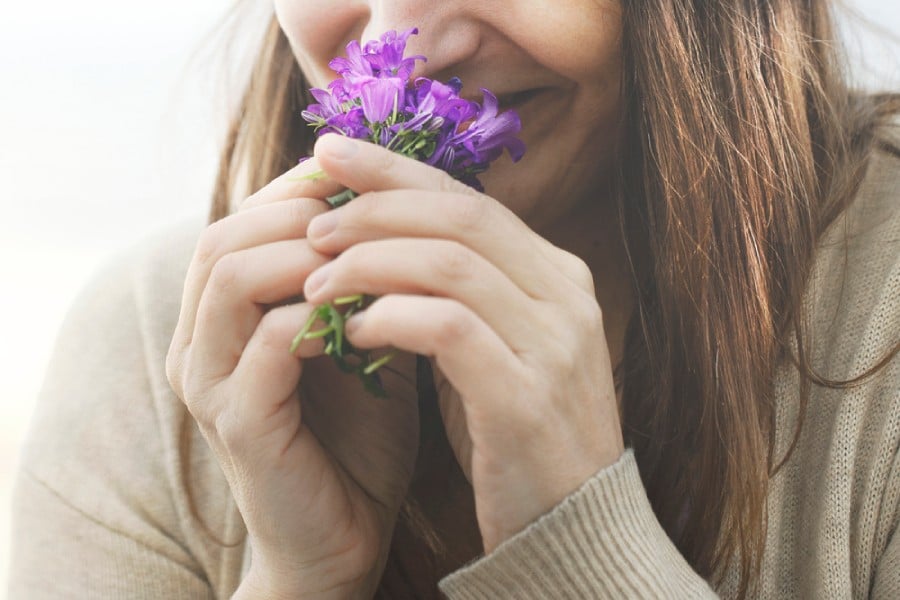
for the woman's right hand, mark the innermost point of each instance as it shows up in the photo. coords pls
(318, 470)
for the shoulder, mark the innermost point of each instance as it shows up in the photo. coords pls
(115, 332)
(109, 440)
(853, 296)
(834, 505)
(142, 281)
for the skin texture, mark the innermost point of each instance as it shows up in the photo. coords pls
(510, 318)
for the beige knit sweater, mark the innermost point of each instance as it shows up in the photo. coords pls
(101, 509)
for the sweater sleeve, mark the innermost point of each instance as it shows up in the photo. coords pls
(98, 510)
(886, 584)
(603, 541)
(886, 580)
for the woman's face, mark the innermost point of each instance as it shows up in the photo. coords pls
(557, 63)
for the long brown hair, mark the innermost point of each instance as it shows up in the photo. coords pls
(742, 142)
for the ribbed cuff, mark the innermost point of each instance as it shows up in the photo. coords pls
(602, 541)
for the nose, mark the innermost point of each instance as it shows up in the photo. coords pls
(448, 29)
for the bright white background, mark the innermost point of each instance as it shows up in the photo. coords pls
(107, 134)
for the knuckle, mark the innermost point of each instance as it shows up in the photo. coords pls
(584, 308)
(554, 358)
(174, 369)
(588, 312)
(364, 209)
(455, 325)
(196, 390)
(384, 161)
(271, 329)
(209, 246)
(362, 554)
(452, 186)
(252, 200)
(192, 388)
(580, 273)
(469, 212)
(530, 421)
(224, 274)
(193, 401)
(351, 262)
(455, 262)
(228, 429)
(300, 212)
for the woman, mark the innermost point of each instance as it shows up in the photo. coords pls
(697, 261)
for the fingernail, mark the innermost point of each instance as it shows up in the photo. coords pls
(315, 281)
(322, 225)
(338, 146)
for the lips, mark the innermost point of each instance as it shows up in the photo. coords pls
(513, 99)
(519, 98)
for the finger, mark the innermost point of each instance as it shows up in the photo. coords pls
(425, 201)
(477, 222)
(468, 352)
(298, 182)
(267, 374)
(231, 305)
(268, 223)
(366, 167)
(430, 267)
(266, 369)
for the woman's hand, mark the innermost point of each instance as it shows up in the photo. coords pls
(318, 472)
(512, 322)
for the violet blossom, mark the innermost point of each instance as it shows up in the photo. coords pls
(376, 99)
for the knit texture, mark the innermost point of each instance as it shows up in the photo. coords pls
(118, 495)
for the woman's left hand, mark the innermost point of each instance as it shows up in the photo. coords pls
(511, 321)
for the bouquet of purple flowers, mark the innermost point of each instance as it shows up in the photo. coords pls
(376, 99)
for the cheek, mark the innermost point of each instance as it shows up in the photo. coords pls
(579, 39)
(318, 30)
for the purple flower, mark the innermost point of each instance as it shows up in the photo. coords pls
(379, 58)
(352, 124)
(331, 114)
(355, 65)
(386, 55)
(375, 99)
(380, 97)
(469, 151)
(326, 107)
(435, 98)
(491, 133)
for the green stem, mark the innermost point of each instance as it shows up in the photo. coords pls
(318, 333)
(348, 299)
(298, 339)
(341, 199)
(372, 367)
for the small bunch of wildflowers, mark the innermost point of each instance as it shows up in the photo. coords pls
(376, 99)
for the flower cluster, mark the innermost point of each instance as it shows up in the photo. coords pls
(376, 99)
